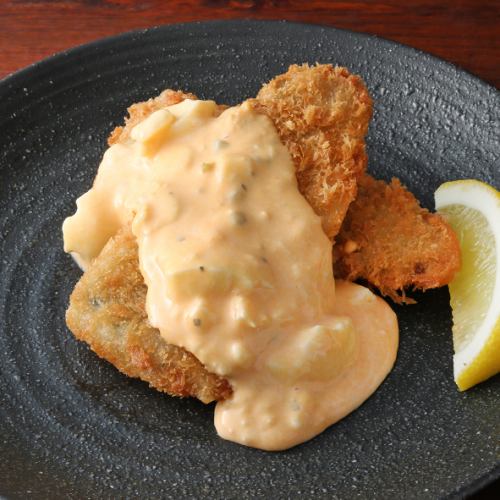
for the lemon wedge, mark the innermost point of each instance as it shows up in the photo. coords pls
(473, 210)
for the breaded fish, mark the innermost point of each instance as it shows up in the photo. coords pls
(389, 240)
(108, 311)
(321, 114)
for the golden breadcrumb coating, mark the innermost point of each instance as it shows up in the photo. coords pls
(389, 240)
(321, 114)
(108, 311)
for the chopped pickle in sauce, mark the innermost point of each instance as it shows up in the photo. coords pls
(239, 270)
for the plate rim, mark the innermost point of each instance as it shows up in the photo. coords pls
(12, 78)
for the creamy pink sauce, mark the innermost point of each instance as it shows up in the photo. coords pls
(239, 271)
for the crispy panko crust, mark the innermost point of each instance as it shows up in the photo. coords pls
(321, 114)
(107, 310)
(118, 330)
(389, 240)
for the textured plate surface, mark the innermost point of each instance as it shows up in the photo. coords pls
(72, 426)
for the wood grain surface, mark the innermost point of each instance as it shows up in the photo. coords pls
(465, 32)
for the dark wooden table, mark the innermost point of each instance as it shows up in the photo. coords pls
(465, 32)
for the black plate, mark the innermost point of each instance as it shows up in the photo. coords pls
(71, 425)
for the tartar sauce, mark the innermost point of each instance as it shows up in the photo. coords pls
(239, 271)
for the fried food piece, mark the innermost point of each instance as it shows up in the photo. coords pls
(389, 240)
(108, 311)
(321, 114)
(107, 308)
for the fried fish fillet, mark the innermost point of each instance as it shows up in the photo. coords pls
(389, 240)
(321, 114)
(108, 311)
